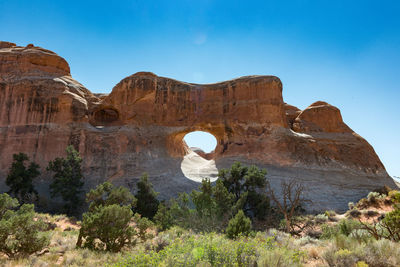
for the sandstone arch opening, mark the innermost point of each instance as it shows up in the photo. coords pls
(198, 163)
(203, 143)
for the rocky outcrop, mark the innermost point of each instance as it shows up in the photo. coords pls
(139, 127)
(320, 117)
(291, 113)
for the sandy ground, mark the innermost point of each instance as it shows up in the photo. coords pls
(197, 168)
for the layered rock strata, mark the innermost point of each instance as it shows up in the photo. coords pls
(139, 127)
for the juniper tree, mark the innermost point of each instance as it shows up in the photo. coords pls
(107, 194)
(238, 225)
(248, 186)
(67, 180)
(147, 203)
(107, 224)
(21, 233)
(20, 179)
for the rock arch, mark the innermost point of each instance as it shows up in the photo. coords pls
(145, 117)
(176, 145)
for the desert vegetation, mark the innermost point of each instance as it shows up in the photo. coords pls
(237, 221)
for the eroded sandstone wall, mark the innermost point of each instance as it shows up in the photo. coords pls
(140, 125)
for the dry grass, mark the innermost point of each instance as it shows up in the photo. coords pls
(62, 250)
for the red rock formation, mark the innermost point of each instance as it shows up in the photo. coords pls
(291, 113)
(140, 127)
(320, 117)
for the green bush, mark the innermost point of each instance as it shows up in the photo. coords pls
(340, 258)
(21, 234)
(282, 257)
(107, 224)
(143, 224)
(331, 213)
(163, 217)
(373, 197)
(394, 196)
(183, 248)
(7, 203)
(321, 218)
(354, 213)
(238, 225)
(381, 253)
(388, 228)
(213, 206)
(107, 228)
(106, 194)
(203, 199)
(348, 251)
(205, 250)
(239, 188)
(391, 222)
(344, 227)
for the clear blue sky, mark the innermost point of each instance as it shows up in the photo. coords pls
(344, 52)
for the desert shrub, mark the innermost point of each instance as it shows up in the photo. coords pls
(344, 227)
(106, 194)
(321, 218)
(381, 253)
(388, 227)
(203, 199)
(340, 258)
(20, 179)
(107, 224)
(213, 206)
(21, 234)
(348, 226)
(107, 228)
(239, 188)
(371, 213)
(238, 225)
(394, 195)
(67, 180)
(361, 264)
(391, 223)
(281, 257)
(216, 250)
(147, 202)
(163, 217)
(374, 253)
(306, 240)
(328, 231)
(180, 211)
(330, 213)
(362, 203)
(7, 203)
(143, 224)
(374, 197)
(354, 213)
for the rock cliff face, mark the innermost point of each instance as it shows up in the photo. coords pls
(140, 127)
